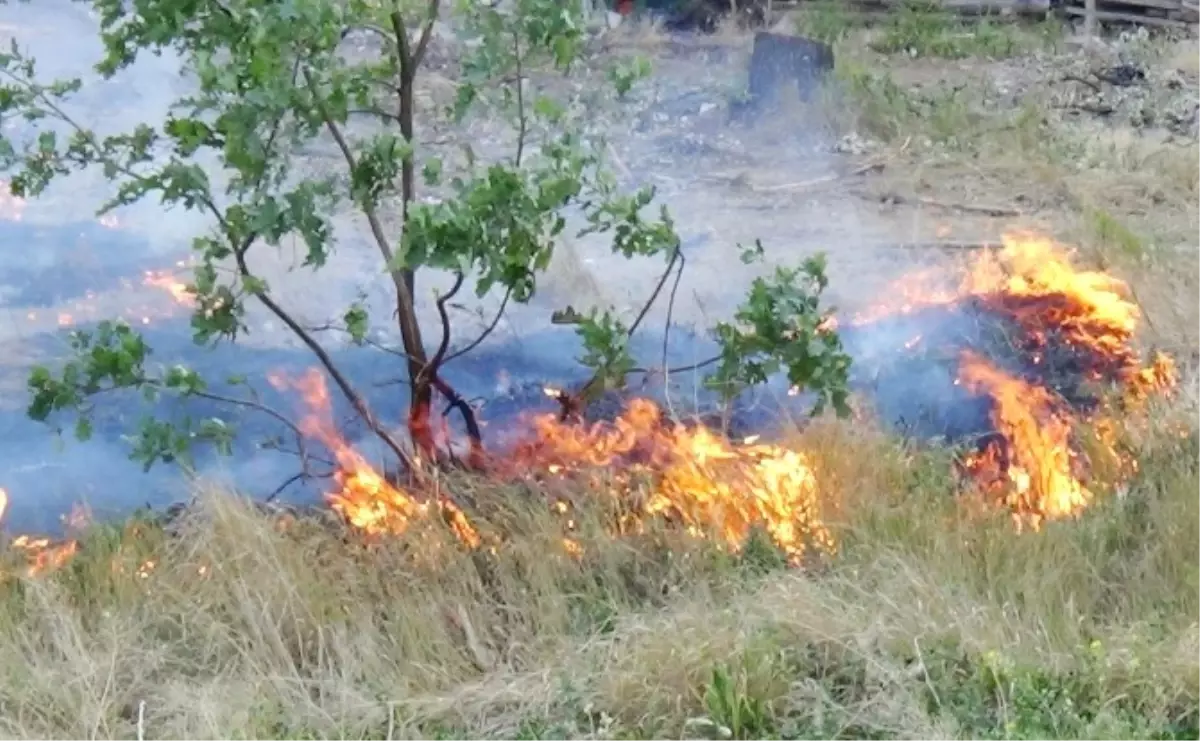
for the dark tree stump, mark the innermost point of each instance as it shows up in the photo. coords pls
(780, 61)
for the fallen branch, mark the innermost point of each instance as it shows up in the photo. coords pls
(950, 245)
(823, 180)
(973, 208)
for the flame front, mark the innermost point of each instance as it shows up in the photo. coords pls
(40, 554)
(688, 475)
(1055, 319)
(1061, 318)
(364, 497)
(1033, 467)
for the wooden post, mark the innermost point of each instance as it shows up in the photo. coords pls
(1089, 20)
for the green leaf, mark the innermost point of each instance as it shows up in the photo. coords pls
(356, 321)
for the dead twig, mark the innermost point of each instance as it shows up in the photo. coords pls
(973, 208)
(950, 245)
(817, 182)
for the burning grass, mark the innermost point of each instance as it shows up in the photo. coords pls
(645, 578)
(934, 620)
(638, 577)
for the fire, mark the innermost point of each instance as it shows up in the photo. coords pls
(687, 475)
(1032, 463)
(690, 476)
(93, 306)
(1043, 317)
(1057, 319)
(364, 497)
(40, 554)
(167, 281)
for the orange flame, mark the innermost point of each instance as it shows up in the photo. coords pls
(690, 475)
(708, 485)
(167, 281)
(40, 554)
(365, 498)
(1032, 281)
(1036, 458)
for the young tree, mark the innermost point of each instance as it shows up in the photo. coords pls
(272, 79)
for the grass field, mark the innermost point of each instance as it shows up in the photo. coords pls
(933, 618)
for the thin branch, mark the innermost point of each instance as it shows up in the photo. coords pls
(431, 372)
(572, 403)
(372, 29)
(356, 400)
(302, 476)
(678, 368)
(404, 294)
(487, 330)
(671, 305)
(522, 121)
(667, 328)
(426, 34)
(364, 340)
(343, 146)
(386, 116)
(676, 254)
(474, 433)
(263, 408)
(435, 364)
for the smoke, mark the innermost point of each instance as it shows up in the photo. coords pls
(724, 184)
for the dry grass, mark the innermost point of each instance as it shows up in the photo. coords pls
(933, 621)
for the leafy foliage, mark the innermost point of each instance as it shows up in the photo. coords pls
(780, 327)
(270, 84)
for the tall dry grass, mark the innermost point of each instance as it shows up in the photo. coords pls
(935, 619)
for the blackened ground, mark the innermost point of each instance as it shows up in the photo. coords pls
(907, 364)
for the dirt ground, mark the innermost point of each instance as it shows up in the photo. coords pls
(909, 160)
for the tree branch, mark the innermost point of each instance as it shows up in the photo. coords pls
(573, 404)
(343, 146)
(522, 122)
(438, 356)
(432, 373)
(483, 335)
(426, 34)
(386, 116)
(676, 255)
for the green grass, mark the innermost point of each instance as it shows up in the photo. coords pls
(935, 619)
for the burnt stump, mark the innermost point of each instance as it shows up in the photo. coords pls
(780, 61)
